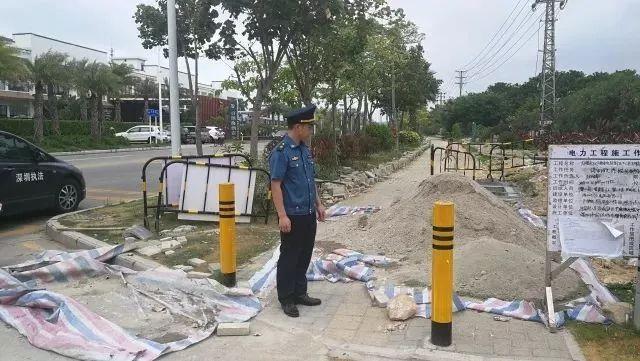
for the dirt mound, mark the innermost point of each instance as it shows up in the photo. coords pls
(485, 227)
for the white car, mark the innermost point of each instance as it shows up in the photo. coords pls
(144, 133)
(215, 133)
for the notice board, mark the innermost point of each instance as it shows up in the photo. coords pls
(594, 200)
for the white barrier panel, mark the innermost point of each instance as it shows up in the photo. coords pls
(174, 173)
(200, 192)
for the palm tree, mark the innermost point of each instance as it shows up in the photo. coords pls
(99, 80)
(12, 67)
(146, 88)
(46, 69)
(78, 69)
(126, 80)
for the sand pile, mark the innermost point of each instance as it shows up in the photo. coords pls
(497, 254)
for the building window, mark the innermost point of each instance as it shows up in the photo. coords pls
(19, 86)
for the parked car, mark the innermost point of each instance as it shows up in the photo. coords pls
(216, 134)
(144, 133)
(31, 179)
(188, 134)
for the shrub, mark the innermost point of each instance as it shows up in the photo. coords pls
(354, 146)
(382, 134)
(24, 127)
(410, 138)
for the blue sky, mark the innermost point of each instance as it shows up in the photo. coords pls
(591, 35)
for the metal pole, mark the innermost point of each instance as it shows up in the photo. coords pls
(159, 81)
(174, 96)
(636, 307)
(442, 274)
(227, 248)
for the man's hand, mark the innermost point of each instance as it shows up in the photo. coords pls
(285, 224)
(322, 213)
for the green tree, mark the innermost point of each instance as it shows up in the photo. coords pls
(99, 81)
(47, 69)
(146, 88)
(12, 67)
(196, 28)
(125, 81)
(77, 70)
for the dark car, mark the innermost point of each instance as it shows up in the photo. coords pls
(188, 134)
(31, 179)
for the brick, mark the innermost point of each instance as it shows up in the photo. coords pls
(234, 329)
(194, 274)
(196, 262)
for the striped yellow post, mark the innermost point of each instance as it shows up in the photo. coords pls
(227, 234)
(442, 273)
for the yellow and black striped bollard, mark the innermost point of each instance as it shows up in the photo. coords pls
(442, 273)
(227, 234)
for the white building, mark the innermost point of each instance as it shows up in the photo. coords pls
(16, 100)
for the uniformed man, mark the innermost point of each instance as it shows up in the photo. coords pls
(298, 205)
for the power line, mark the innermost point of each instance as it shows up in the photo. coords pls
(514, 20)
(461, 79)
(494, 36)
(490, 61)
(511, 56)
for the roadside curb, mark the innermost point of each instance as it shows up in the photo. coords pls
(77, 240)
(103, 151)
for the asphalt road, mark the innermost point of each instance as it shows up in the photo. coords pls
(110, 178)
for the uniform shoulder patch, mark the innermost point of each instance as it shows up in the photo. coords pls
(280, 147)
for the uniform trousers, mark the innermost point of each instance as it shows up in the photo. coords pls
(296, 248)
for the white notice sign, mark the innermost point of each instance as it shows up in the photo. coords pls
(594, 199)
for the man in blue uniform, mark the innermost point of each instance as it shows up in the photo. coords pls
(298, 205)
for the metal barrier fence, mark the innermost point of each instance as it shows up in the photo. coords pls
(501, 156)
(165, 160)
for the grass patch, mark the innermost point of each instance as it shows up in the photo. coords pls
(606, 343)
(251, 239)
(375, 159)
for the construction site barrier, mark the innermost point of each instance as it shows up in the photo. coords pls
(449, 160)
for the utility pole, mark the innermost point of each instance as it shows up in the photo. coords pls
(548, 74)
(159, 81)
(393, 106)
(461, 77)
(174, 96)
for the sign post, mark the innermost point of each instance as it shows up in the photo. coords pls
(153, 114)
(593, 207)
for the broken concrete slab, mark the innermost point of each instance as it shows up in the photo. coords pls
(181, 239)
(194, 274)
(196, 262)
(169, 253)
(138, 232)
(234, 329)
(149, 250)
(214, 267)
(183, 268)
(165, 245)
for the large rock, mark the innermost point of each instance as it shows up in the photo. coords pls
(401, 307)
(618, 312)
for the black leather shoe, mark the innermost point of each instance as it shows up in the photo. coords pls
(308, 301)
(290, 310)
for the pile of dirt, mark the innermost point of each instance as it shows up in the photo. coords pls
(489, 236)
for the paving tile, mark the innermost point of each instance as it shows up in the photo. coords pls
(520, 352)
(341, 335)
(483, 339)
(417, 333)
(350, 323)
(518, 339)
(502, 347)
(351, 310)
(556, 342)
(545, 352)
(371, 338)
(474, 349)
(537, 336)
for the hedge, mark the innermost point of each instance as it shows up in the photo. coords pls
(24, 127)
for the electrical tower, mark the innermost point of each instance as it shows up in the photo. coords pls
(461, 77)
(548, 73)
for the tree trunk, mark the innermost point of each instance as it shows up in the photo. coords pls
(366, 119)
(83, 108)
(101, 115)
(333, 118)
(358, 115)
(145, 116)
(95, 126)
(118, 111)
(100, 110)
(38, 124)
(345, 116)
(52, 102)
(413, 120)
(255, 121)
(196, 98)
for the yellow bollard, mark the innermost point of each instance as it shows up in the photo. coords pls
(227, 234)
(442, 273)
